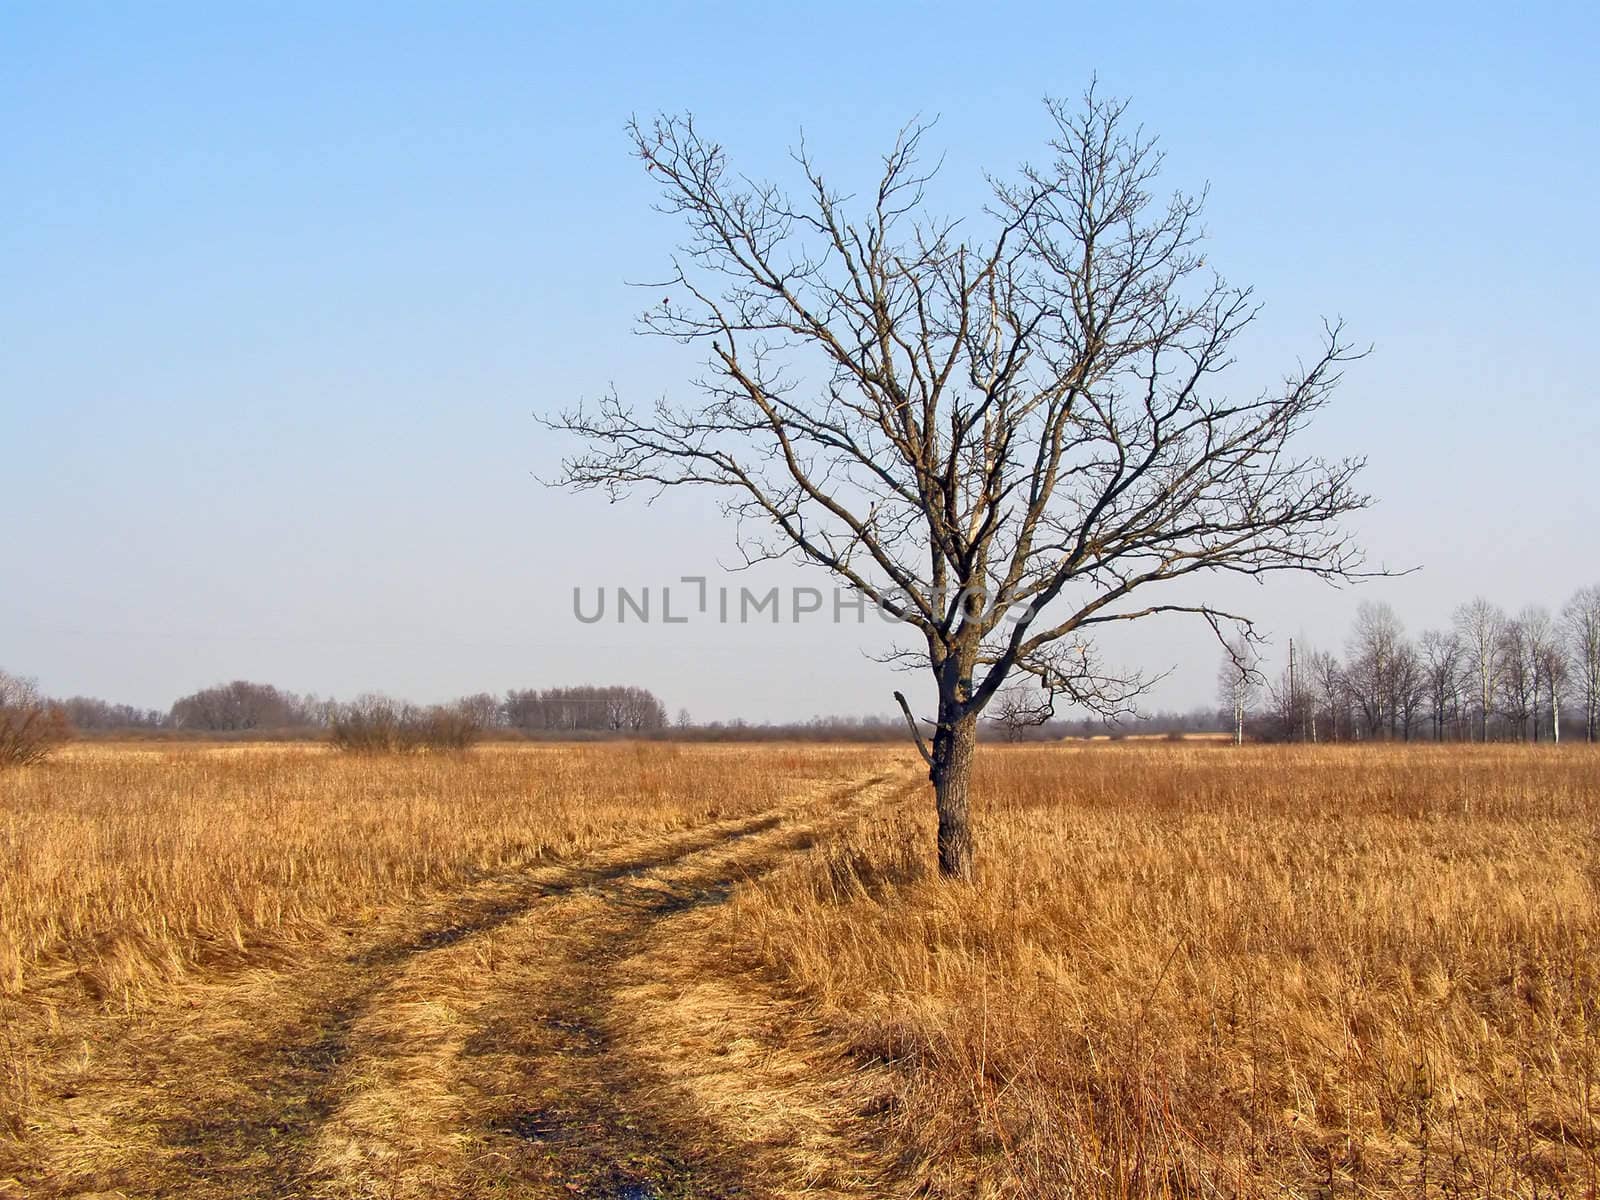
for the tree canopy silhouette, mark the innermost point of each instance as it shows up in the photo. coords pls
(1003, 431)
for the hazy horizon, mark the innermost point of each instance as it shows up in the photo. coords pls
(283, 292)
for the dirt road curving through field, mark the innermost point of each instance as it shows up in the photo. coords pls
(547, 1033)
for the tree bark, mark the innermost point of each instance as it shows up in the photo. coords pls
(953, 744)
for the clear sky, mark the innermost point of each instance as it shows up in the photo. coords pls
(281, 287)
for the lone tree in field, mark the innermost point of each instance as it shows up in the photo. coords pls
(1004, 432)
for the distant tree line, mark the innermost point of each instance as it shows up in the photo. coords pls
(243, 707)
(613, 709)
(1487, 676)
(100, 716)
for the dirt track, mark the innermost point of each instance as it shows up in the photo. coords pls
(546, 1033)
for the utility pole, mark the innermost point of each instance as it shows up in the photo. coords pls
(1294, 699)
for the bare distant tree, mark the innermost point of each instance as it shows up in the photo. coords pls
(1238, 682)
(376, 724)
(482, 710)
(236, 707)
(584, 708)
(1292, 698)
(1543, 650)
(89, 714)
(1408, 690)
(617, 707)
(1519, 682)
(1481, 627)
(1004, 439)
(1326, 675)
(1371, 671)
(1018, 707)
(1580, 621)
(30, 726)
(523, 709)
(1442, 670)
(641, 711)
(1555, 671)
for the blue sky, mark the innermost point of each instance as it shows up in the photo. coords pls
(281, 286)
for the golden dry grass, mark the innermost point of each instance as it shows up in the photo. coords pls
(1202, 971)
(124, 866)
(134, 879)
(1187, 970)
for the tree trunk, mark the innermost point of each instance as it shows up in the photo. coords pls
(953, 744)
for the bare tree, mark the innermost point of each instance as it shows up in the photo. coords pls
(1327, 683)
(1238, 682)
(1377, 647)
(237, 707)
(30, 726)
(588, 708)
(1481, 627)
(1442, 670)
(641, 711)
(1542, 646)
(1004, 439)
(88, 713)
(1580, 621)
(1018, 707)
(376, 724)
(481, 710)
(1408, 690)
(1519, 683)
(1555, 671)
(617, 708)
(1293, 697)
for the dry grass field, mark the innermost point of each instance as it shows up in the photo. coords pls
(637, 971)
(1202, 971)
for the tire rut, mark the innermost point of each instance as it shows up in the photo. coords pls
(582, 1112)
(553, 1103)
(241, 1103)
